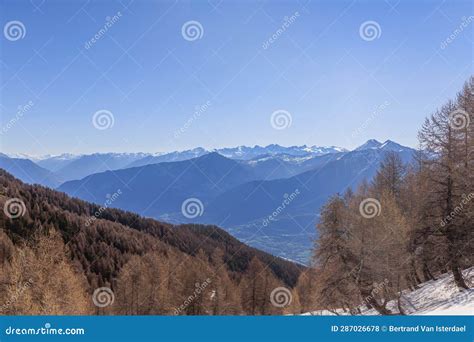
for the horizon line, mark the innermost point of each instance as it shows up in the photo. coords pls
(13, 155)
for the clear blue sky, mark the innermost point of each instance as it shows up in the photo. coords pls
(151, 79)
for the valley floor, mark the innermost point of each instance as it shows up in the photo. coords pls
(435, 297)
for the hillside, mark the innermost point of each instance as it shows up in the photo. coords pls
(240, 195)
(29, 172)
(158, 190)
(101, 247)
(434, 297)
(82, 166)
(290, 232)
(73, 167)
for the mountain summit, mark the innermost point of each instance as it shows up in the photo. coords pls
(369, 144)
(388, 145)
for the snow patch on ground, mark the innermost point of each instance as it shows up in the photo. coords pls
(435, 297)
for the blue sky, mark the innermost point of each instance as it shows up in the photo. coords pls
(338, 88)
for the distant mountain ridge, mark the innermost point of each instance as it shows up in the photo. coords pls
(237, 188)
(164, 186)
(246, 153)
(67, 166)
(56, 163)
(169, 157)
(387, 145)
(240, 194)
(290, 233)
(29, 172)
(86, 165)
(115, 234)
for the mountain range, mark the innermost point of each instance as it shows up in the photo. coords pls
(268, 197)
(71, 167)
(29, 172)
(102, 245)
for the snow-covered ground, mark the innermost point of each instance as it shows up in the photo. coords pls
(435, 297)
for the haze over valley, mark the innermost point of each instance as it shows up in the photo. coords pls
(237, 189)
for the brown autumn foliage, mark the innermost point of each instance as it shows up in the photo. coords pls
(54, 257)
(422, 226)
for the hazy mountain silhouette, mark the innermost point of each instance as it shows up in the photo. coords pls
(158, 190)
(240, 194)
(29, 172)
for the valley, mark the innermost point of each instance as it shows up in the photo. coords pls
(238, 187)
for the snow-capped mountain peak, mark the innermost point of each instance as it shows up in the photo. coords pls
(388, 145)
(247, 153)
(369, 144)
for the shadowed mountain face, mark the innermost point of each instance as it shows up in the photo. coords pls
(159, 190)
(270, 167)
(280, 215)
(244, 153)
(102, 243)
(169, 157)
(304, 151)
(29, 172)
(55, 163)
(83, 166)
(271, 202)
(72, 167)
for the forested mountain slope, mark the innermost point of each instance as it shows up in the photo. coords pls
(105, 250)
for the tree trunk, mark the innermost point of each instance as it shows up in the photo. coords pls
(369, 299)
(399, 305)
(427, 273)
(458, 278)
(414, 273)
(380, 309)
